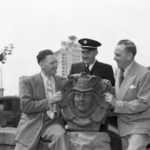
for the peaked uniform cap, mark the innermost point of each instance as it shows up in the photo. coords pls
(89, 44)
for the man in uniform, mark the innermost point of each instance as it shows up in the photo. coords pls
(90, 65)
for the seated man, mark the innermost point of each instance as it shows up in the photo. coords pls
(85, 110)
(40, 119)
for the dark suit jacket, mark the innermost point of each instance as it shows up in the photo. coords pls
(99, 69)
(34, 106)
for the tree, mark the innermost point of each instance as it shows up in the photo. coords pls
(71, 43)
(6, 51)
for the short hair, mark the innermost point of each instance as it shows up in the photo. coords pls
(129, 46)
(42, 54)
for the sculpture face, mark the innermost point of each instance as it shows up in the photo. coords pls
(83, 101)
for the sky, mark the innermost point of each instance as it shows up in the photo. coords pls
(34, 25)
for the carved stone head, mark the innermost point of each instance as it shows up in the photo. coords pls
(84, 94)
(83, 105)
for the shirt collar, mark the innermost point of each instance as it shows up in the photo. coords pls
(45, 78)
(127, 68)
(91, 65)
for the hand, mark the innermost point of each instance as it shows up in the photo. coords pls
(56, 97)
(76, 75)
(110, 98)
(106, 85)
(106, 82)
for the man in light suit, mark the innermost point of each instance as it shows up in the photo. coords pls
(132, 98)
(41, 118)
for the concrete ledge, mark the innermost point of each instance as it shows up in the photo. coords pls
(80, 140)
(7, 136)
(88, 140)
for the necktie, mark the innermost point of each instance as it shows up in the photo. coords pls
(49, 92)
(87, 70)
(121, 77)
(49, 87)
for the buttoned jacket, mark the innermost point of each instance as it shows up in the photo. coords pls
(99, 69)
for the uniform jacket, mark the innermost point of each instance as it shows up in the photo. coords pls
(99, 69)
(133, 108)
(34, 106)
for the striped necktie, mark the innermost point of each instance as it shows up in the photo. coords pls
(49, 91)
(49, 87)
(121, 77)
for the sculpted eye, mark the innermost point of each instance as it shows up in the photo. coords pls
(77, 94)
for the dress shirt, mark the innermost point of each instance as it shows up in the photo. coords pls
(91, 65)
(45, 79)
(49, 81)
(127, 69)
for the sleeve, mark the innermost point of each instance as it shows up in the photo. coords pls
(72, 69)
(28, 104)
(110, 75)
(142, 101)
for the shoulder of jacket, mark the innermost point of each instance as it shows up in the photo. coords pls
(60, 77)
(26, 78)
(104, 64)
(77, 64)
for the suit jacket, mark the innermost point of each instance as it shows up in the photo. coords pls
(34, 106)
(99, 69)
(133, 107)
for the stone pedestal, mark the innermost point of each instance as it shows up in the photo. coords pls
(89, 140)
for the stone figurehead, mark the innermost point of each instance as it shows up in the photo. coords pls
(83, 104)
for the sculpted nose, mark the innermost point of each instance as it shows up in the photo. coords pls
(81, 97)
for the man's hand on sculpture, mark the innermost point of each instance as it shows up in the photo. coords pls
(56, 97)
(76, 75)
(110, 98)
(106, 82)
(106, 85)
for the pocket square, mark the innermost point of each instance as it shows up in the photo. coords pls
(132, 87)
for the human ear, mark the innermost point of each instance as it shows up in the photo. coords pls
(130, 56)
(95, 52)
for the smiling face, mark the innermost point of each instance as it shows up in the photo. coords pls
(49, 65)
(83, 101)
(122, 57)
(88, 56)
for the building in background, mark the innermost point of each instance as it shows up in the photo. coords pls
(66, 57)
(69, 53)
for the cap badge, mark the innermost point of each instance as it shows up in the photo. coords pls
(85, 41)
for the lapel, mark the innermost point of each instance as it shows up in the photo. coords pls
(122, 90)
(117, 74)
(57, 83)
(82, 67)
(39, 85)
(94, 68)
